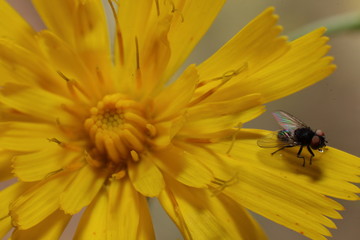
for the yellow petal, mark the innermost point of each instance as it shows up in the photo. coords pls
(142, 45)
(89, 226)
(5, 165)
(303, 65)
(19, 30)
(61, 58)
(274, 68)
(208, 119)
(256, 45)
(37, 165)
(124, 206)
(50, 228)
(20, 65)
(123, 211)
(30, 100)
(146, 177)
(329, 174)
(166, 131)
(128, 31)
(172, 100)
(283, 202)
(206, 127)
(88, 34)
(146, 229)
(40, 201)
(5, 226)
(242, 225)
(162, 30)
(154, 55)
(278, 187)
(88, 31)
(19, 136)
(200, 214)
(9, 194)
(82, 189)
(183, 167)
(189, 208)
(221, 108)
(191, 20)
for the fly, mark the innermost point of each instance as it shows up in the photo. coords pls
(294, 133)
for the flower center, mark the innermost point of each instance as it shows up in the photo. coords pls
(117, 128)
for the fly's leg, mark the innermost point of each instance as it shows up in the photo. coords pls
(299, 156)
(287, 146)
(311, 152)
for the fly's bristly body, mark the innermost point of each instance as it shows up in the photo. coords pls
(294, 133)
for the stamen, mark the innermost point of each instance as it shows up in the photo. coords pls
(63, 128)
(99, 75)
(135, 118)
(119, 175)
(135, 131)
(74, 166)
(220, 184)
(226, 76)
(92, 131)
(173, 6)
(91, 161)
(55, 141)
(137, 53)
(72, 110)
(72, 84)
(199, 140)
(180, 217)
(135, 155)
(238, 126)
(111, 150)
(157, 7)
(118, 32)
(151, 130)
(132, 140)
(53, 173)
(223, 79)
(68, 146)
(63, 76)
(100, 141)
(89, 123)
(138, 70)
(118, 129)
(174, 10)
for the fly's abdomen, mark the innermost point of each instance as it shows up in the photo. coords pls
(284, 135)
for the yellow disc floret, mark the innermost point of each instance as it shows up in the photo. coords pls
(117, 129)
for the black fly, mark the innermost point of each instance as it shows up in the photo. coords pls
(294, 133)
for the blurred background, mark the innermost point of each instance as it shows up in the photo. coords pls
(332, 105)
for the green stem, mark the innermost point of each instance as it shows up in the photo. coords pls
(334, 24)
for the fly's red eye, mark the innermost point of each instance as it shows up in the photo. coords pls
(315, 142)
(320, 133)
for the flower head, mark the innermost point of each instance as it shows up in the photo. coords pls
(88, 124)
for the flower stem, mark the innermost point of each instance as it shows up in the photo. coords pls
(334, 24)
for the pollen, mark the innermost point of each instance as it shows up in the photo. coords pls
(118, 130)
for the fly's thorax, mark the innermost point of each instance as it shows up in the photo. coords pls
(303, 136)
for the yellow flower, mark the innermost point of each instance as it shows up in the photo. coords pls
(86, 123)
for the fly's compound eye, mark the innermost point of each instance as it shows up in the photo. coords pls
(317, 142)
(320, 133)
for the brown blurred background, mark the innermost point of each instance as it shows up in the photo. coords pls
(332, 105)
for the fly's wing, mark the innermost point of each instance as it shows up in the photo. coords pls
(272, 141)
(288, 121)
